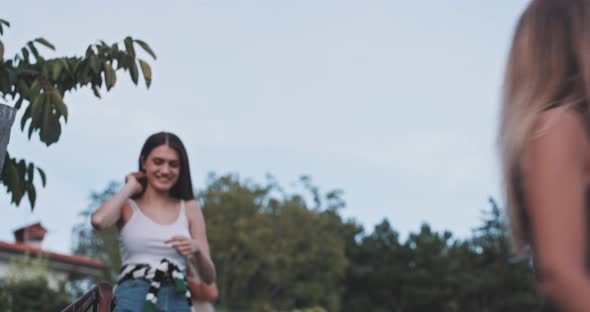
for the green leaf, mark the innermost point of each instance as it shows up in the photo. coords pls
(129, 46)
(37, 104)
(110, 75)
(23, 89)
(10, 177)
(20, 190)
(18, 178)
(12, 73)
(64, 64)
(1, 51)
(93, 62)
(25, 54)
(45, 43)
(50, 127)
(3, 22)
(5, 84)
(39, 114)
(33, 49)
(95, 90)
(60, 106)
(36, 107)
(43, 176)
(19, 102)
(147, 72)
(25, 117)
(56, 68)
(9, 172)
(115, 49)
(31, 172)
(35, 87)
(32, 195)
(146, 48)
(133, 72)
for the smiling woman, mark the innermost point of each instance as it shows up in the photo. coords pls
(160, 227)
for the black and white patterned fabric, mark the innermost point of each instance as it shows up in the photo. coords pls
(165, 271)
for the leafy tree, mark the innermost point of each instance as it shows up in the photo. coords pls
(102, 245)
(26, 288)
(498, 281)
(432, 271)
(272, 249)
(38, 85)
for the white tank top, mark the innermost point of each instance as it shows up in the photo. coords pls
(141, 240)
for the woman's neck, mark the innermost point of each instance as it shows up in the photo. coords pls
(155, 197)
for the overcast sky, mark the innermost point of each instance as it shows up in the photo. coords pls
(394, 102)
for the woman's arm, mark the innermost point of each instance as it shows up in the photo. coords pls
(199, 291)
(555, 184)
(196, 248)
(110, 211)
(201, 258)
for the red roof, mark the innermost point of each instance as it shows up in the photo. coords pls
(77, 259)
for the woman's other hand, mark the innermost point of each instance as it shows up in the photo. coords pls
(184, 245)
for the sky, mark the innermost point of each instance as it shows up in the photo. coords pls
(394, 102)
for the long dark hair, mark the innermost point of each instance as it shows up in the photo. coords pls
(183, 189)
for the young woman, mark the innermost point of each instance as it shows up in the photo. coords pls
(545, 145)
(161, 227)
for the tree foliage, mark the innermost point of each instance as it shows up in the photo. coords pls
(432, 271)
(102, 245)
(278, 251)
(38, 85)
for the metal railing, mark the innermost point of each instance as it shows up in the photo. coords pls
(98, 299)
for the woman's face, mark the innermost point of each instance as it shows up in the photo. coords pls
(162, 168)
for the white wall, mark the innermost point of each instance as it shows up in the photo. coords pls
(54, 278)
(4, 266)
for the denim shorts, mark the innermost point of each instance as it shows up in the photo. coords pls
(131, 297)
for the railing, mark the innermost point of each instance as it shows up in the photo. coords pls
(99, 299)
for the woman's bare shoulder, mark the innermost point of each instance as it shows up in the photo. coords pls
(559, 138)
(561, 128)
(192, 204)
(561, 122)
(193, 209)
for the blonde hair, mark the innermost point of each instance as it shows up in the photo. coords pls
(548, 66)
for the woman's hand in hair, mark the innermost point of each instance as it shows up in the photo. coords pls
(184, 245)
(133, 181)
(111, 211)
